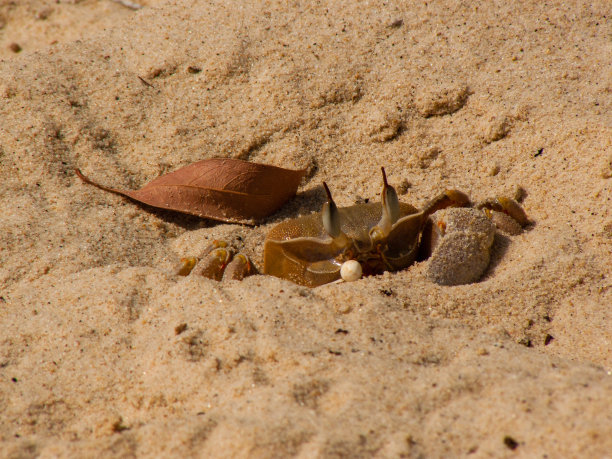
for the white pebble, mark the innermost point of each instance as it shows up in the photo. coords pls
(350, 271)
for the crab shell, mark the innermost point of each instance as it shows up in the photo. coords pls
(301, 251)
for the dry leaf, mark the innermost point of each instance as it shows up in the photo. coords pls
(229, 190)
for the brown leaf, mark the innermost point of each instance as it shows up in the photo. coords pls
(229, 190)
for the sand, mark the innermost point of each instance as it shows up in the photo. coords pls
(105, 352)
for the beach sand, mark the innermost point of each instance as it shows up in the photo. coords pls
(106, 352)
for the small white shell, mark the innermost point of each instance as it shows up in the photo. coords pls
(350, 271)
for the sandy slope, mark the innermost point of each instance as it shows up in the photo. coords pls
(491, 98)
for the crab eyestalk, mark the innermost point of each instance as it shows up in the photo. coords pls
(332, 220)
(330, 215)
(390, 210)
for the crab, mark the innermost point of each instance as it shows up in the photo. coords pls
(371, 238)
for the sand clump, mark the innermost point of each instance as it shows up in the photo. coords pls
(105, 351)
(463, 250)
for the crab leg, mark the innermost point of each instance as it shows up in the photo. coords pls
(506, 214)
(212, 263)
(433, 232)
(450, 198)
(239, 268)
(187, 264)
(508, 206)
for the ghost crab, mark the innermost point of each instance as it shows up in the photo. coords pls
(368, 239)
